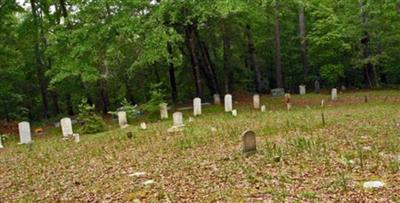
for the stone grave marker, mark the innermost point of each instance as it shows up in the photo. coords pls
(143, 126)
(77, 137)
(217, 99)
(288, 102)
(317, 87)
(66, 127)
(24, 129)
(256, 101)
(178, 119)
(1, 143)
(278, 92)
(164, 111)
(334, 94)
(122, 121)
(263, 108)
(234, 112)
(249, 142)
(196, 106)
(228, 103)
(302, 89)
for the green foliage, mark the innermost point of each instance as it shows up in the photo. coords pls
(331, 73)
(157, 96)
(91, 122)
(132, 111)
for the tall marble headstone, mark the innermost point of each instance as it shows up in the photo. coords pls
(334, 94)
(122, 120)
(217, 99)
(178, 119)
(302, 89)
(164, 111)
(228, 103)
(196, 106)
(24, 129)
(249, 141)
(66, 127)
(317, 87)
(256, 101)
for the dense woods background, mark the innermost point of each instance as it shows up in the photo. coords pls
(54, 53)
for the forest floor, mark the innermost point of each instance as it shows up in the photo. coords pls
(298, 159)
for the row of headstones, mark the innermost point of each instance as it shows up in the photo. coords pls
(25, 135)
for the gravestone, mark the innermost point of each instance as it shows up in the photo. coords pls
(122, 121)
(249, 142)
(317, 87)
(256, 101)
(1, 143)
(66, 127)
(288, 102)
(24, 129)
(234, 112)
(278, 92)
(77, 137)
(302, 89)
(322, 103)
(263, 108)
(196, 107)
(164, 111)
(228, 103)
(217, 99)
(334, 94)
(143, 126)
(178, 119)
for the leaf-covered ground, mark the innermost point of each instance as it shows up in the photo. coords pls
(298, 158)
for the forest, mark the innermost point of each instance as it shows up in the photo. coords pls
(55, 53)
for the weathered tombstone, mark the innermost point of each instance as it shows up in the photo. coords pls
(249, 142)
(278, 92)
(234, 112)
(317, 87)
(122, 121)
(24, 129)
(256, 101)
(334, 94)
(196, 107)
(217, 99)
(302, 89)
(164, 111)
(143, 126)
(228, 103)
(66, 127)
(288, 102)
(1, 143)
(190, 119)
(263, 108)
(77, 138)
(178, 119)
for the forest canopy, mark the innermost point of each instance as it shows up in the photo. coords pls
(55, 53)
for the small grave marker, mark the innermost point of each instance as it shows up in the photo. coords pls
(249, 142)
(256, 101)
(196, 106)
(228, 103)
(217, 99)
(234, 112)
(263, 108)
(302, 89)
(164, 111)
(334, 94)
(1, 143)
(77, 138)
(122, 121)
(24, 129)
(143, 126)
(178, 119)
(317, 87)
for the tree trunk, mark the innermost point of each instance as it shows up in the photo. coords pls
(172, 79)
(278, 62)
(55, 103)
(70, 107)
(209, 67)
(227, 65)
(303, 43)
(252, 60)
(191, 44)
(128, 88)
(104, 95)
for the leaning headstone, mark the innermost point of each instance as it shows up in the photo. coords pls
(263, 108)
(164, 111)
(317, 87)
(228, 103)
(302, 89)
(122, 121)
(24, 129)
(234, 112)
(278, 92)
(217, 99)
(178, 119)
(196, 107)
(334, 94)
(249, 142)
(66, 127)
(256, 101)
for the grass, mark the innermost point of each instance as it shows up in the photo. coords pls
(298, 159)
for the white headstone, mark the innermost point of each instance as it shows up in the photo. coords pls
(122, 121)
(196, 106)
(24, 129)
(234, 112)
(228, 103)
(164, 111)
(178, 119)
(334, 94)
(322, 103)
(217, 99)
(1, 143)
(66, 127)
(302, 89)
(263, 108)
(77, 138)
(256, 101)
(143, 126)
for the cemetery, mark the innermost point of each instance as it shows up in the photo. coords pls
(258, 154)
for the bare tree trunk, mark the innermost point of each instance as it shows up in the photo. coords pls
(303, 42)
(209, 67)
(172, 79)
(229, 84)
(252, 60)
(278, 62)
(191, 44)
(70, 107)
